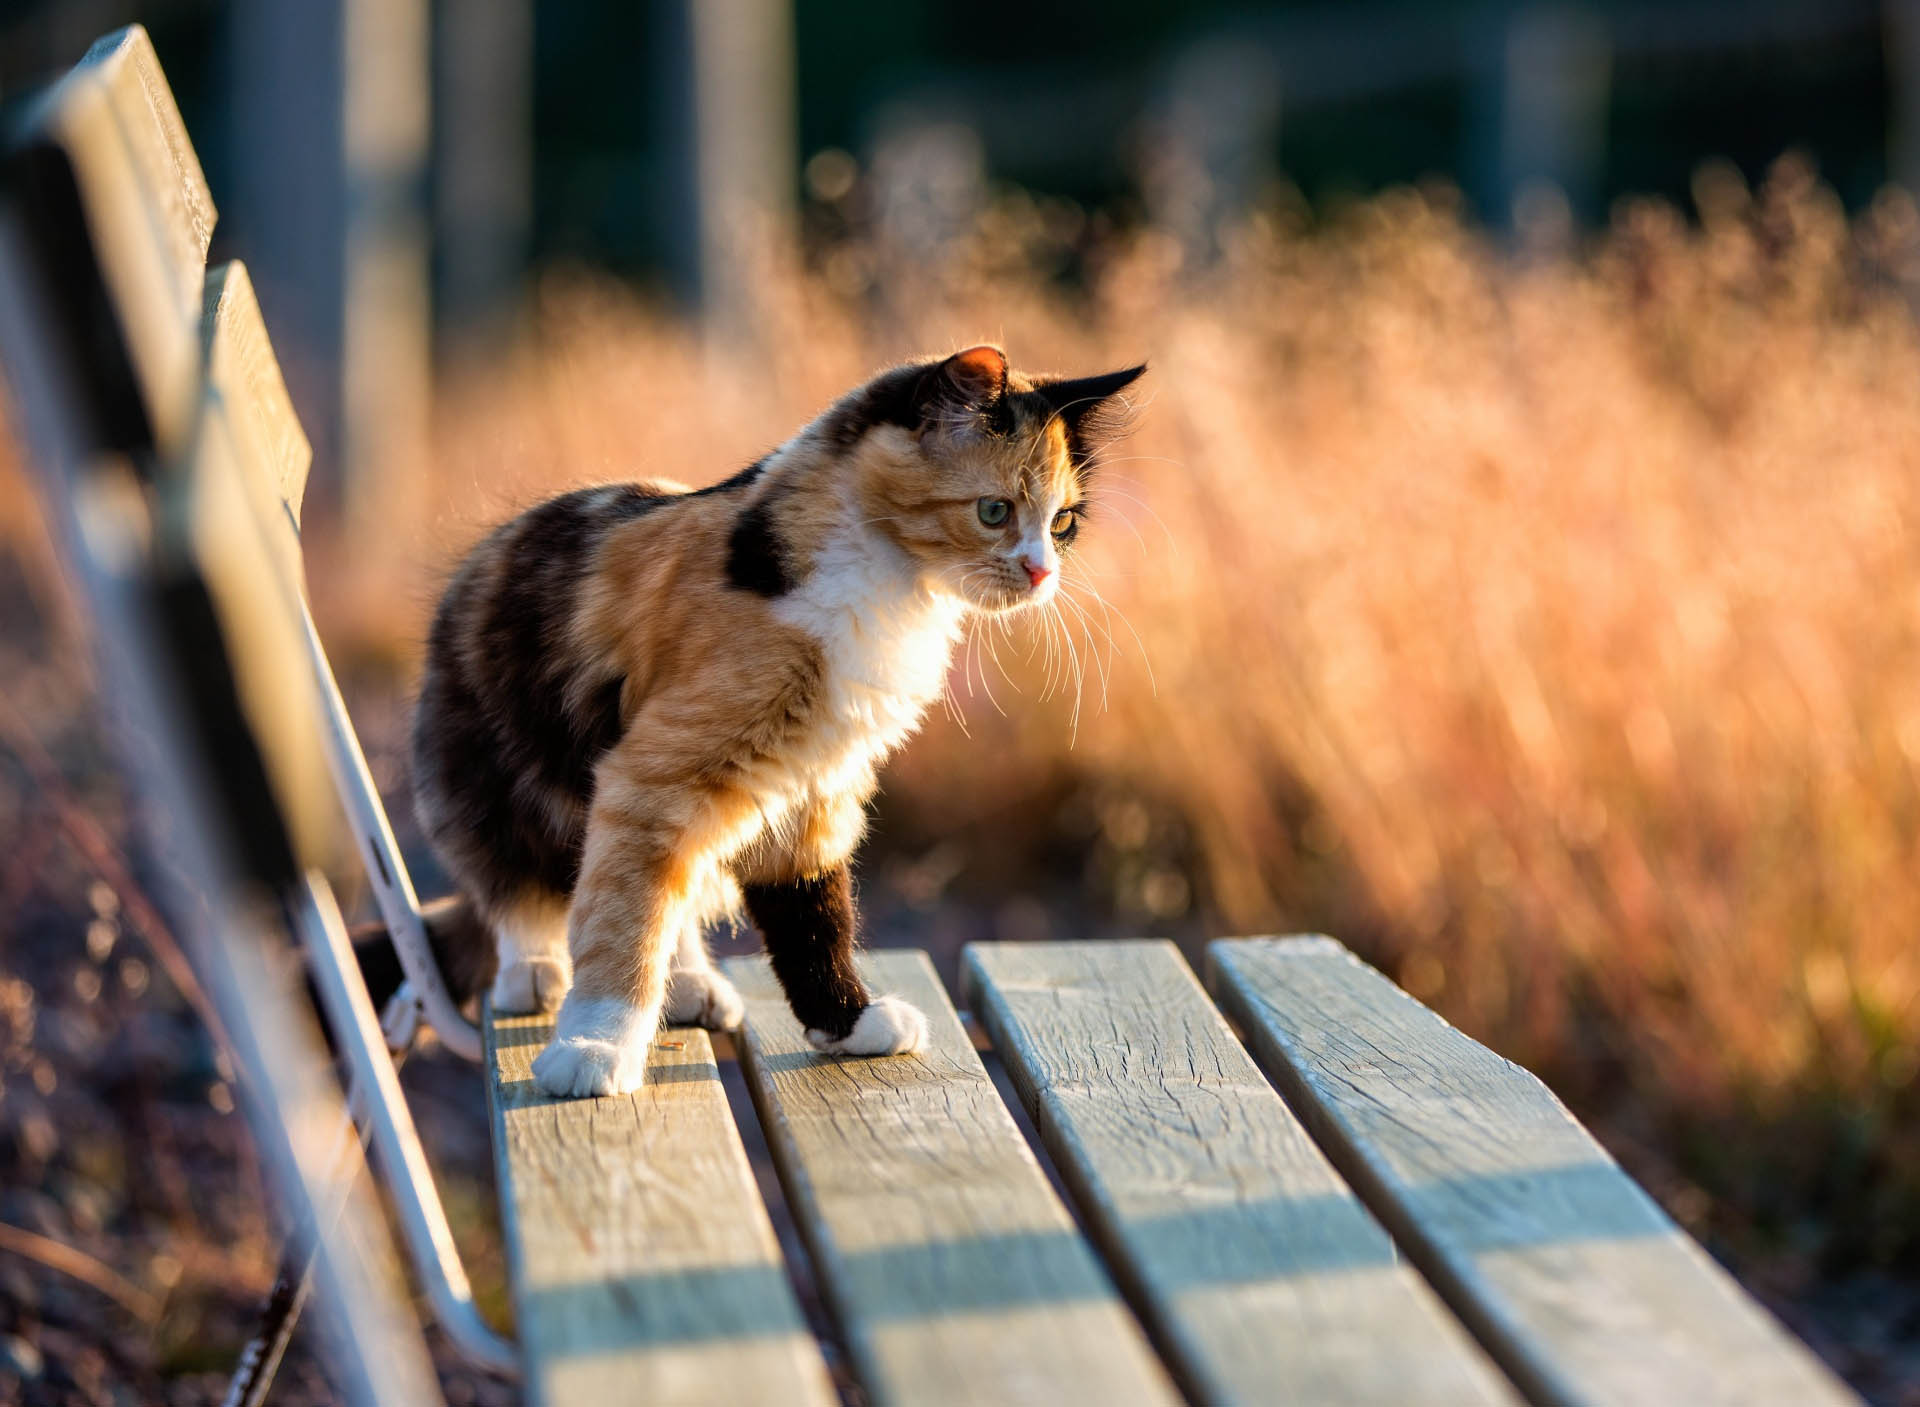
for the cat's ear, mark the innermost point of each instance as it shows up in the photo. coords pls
(1086, 403)
(971, 379)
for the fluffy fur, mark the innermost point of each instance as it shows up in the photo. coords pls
(645, 707)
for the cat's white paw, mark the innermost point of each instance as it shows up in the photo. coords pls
(699, 996)
(571, 1069)
(889, 1026)
(529, 985)
(599, 1047)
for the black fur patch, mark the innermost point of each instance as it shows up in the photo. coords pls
(634, 501)
(747, 476)
(808, 925)
(891, 399)
(756, 558)
(496, 739)
(1085, 406)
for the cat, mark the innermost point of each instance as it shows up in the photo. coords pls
(646, 707)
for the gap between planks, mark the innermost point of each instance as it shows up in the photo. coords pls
(1257, 1271)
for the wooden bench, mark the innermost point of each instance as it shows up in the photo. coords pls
(1315, 1190)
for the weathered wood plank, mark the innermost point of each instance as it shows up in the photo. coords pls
(1576, 1282)
(954, 1271)
(148, 212)
(155, 138)
(244, 375)
(248, 557)
(644, 1267)
(1257, 1271)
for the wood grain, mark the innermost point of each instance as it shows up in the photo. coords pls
(1260, 1275)
(149, 124)
(954, 1271)
(643, 1265)
(244, 375)
(1576, 1282)
(148, 211)
(247, 445)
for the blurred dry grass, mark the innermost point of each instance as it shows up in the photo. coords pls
(1546, 620)
(1543, 620)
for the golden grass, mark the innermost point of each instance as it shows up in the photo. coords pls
(1547, 619)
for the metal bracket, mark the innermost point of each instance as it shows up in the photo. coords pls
(386, 870)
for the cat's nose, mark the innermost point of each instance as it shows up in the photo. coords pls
(1037, 572)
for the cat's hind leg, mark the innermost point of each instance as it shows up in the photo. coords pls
(530, 935)
(697, 994)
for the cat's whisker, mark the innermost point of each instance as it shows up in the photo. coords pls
(1079, 675)
(986, 687)
(1056, 671)
(1107, 490)
(1105, 624)
(992, 651)
(1052, 621)
(1128, 524)
(1109, 611)
(1058, 651)
(1074, 672)
(950, 701)
(993, 648)
(972, 651)
(1102, 665)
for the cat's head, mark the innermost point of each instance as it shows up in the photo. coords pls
(980, 474)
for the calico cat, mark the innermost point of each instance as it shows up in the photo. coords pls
(644, 707)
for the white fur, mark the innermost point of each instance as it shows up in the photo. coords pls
(696, 994)
(704, 998)
(887, 638)
(599, 1047)
(1037, 547)
(534, 970)
(889, 1026)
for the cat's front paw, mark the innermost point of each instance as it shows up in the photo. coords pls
(580, 1069)
(599, 1047)
(889, 1026)
(699, 996)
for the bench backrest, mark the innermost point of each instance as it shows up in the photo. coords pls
(172, 465)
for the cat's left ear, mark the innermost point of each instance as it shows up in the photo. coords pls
(971, 379)
(1085, 403)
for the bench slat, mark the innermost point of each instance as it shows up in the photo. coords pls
(1258, 1272)
(243, 372)
(955, 1272)
(155, 138)
(644, 1267)
(148, 211)
(229, 498)
(1568, 1272)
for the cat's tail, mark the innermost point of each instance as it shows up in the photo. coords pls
(463, 948)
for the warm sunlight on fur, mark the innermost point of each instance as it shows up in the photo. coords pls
(646, 709)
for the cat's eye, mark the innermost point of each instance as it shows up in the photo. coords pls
(994, 511)
(1063, 521)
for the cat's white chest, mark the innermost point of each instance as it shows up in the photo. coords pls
(885, 648)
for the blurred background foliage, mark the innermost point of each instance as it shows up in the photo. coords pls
(1512, 569)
